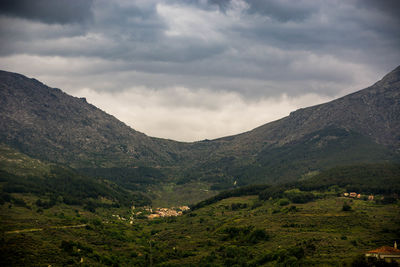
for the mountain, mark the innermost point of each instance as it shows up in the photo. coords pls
(46, 123)
(358, 128)
(372, 112)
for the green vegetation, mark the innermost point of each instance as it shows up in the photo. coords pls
(63, 185)
(130, 178)
(156, 182)
(19, 164)
(64, 218)
(311, 154)
(242, 191)
(232, 231)
(375, 178)
(317, 151)
(53, 184)
(57, 216)
(381, 179)
(346, 207)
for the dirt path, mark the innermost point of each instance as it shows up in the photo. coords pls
(42, 229)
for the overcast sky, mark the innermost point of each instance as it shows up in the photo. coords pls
(196, 69)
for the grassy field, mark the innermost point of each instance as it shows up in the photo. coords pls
(242, 231)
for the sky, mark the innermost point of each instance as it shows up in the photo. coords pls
(201, 69)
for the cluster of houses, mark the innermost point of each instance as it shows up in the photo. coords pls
(166, 212)
(355, 195)
(158, 212)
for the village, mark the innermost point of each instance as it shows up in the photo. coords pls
(150, 213)
(167, 212)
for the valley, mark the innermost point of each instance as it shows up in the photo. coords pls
(70, 175)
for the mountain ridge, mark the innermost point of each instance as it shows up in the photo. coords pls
(49, 124)
(28, 106)
(294, 126)
(390, 79)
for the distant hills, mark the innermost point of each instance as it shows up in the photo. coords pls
(50, 125)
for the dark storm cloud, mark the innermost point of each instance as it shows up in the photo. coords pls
(389, 7)
(48, 11)
(283, 10)
(207, 43)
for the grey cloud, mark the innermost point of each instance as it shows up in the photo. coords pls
(48, 11)
(388, 7)
(223, 4)
(283, 11)
(280, 10)
(259, 52)
(239, 52)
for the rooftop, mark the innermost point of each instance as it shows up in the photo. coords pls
(386, 250)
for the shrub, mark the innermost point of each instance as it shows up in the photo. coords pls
(237, 206)
(245, 234)
(45, 204)
(346, 207)
(67, 246)
(237, 232)
(283, 202)
(290, 209)
(256, 205)
(302, 198)
(388, 200)
(257, 236)
(19, 202)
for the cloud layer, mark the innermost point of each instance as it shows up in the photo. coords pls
(190, 70)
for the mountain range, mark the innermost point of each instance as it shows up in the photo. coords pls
(47, 124)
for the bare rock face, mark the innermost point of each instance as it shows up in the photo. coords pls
(47, 123)
(373, 112)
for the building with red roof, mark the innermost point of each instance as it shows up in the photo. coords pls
(385, 253)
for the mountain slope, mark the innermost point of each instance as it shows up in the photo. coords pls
(373, 112)
(357, 128)
(21, 174)
(48, 124)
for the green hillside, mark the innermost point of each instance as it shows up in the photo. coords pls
(317, 151)
(368, 178)
(373, 178)
(241, 231)
(53, 184)
(303, 223)
(20, 164)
